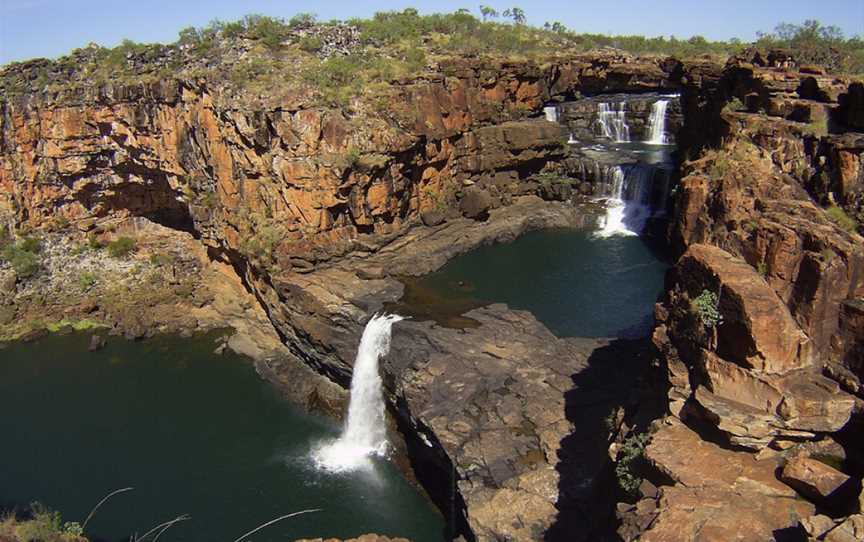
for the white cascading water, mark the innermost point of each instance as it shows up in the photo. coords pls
(657, 123)
(551, 113)
(628, 202)
(613, 222)
(364, 433)
(613, 122)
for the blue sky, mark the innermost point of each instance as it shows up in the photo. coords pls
(34, 28)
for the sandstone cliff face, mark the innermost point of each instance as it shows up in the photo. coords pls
(182, 154)
(758, 315)
(318, 208)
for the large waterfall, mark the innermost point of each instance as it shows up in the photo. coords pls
(628, 200)
(657, 123)
(365, 432)
(613, 122)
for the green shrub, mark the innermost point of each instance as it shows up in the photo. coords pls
(311, 44)
(302, 20)
(813, 43)
(160, 259)
(86, 280)
(94, 242)
(260, 236)
(630, 460)
(268, 30)
(839, 217)
(45, 526)
(23, 256)
(817, 127)
(707, 307)
(122, 246)
(73, 528)
(733, 105)
(337, 78)
(60, 222)
(720, 166)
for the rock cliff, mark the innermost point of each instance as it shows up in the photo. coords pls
(317, 209)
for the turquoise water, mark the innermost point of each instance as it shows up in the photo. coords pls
(193, 433)
(575, 283)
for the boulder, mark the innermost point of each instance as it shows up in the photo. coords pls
(757, 330)
(719, 494)
(816, 526)
(432, 217)
(754, 411)
(718, 515)
(475, 203)
(851, 530)
(814, 479)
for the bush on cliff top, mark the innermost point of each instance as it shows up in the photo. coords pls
(813, 43)
(122, 246)
(839, 217)
(23, 256)
(401, 38)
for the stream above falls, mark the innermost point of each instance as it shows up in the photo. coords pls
(599, 282)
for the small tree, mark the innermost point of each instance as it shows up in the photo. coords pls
(121, 247)
(23, 256)
(707, 307)
(516, 14)
(488, 13)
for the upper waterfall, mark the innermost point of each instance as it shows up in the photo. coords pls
(551, 113)
(365, 432)
(657, 123)
(613, 123)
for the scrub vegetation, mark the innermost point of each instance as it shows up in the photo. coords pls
(339, 60)
(39, 524)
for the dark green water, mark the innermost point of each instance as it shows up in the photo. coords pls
(576, 284)
(193, 433)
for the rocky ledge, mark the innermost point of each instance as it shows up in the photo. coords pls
(316, 210)
(487, 412)
(755, 328)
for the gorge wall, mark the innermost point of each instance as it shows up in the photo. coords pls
(318, 209)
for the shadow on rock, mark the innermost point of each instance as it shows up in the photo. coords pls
(618, 380)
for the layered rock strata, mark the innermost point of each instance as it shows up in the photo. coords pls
(317, 209)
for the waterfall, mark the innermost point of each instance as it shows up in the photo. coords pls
(628, 201)
(657, 123)
(364, 433)
(551, 113)
(613, 123)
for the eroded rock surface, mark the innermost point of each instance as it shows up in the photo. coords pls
(717, 494)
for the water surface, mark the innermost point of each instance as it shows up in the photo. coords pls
(577, 284)
(193, 433)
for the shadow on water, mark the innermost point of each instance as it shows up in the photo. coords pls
(618, 375)
(577, 284)
(584, 287)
